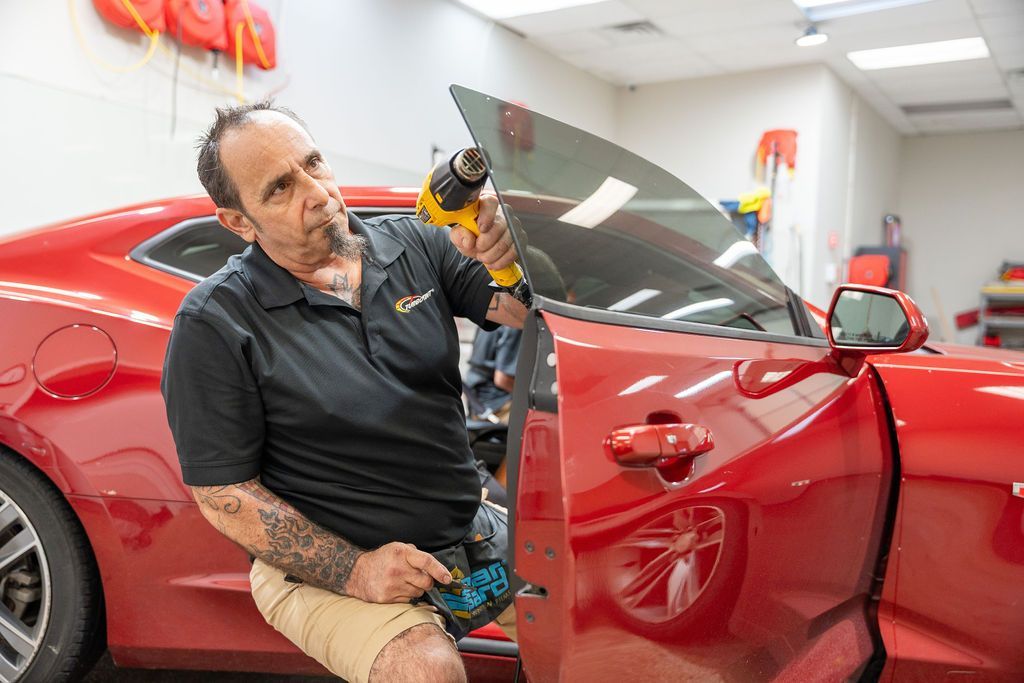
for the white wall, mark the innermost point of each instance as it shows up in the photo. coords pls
(960, 201)
(373, 88)
(705, 131)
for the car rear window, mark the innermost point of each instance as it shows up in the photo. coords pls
(198, 248)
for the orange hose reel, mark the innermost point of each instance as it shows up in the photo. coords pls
(198, 22)
(123, 13)
(249, 25)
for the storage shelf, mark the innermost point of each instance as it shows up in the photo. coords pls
(994, 296)
(1006, 321)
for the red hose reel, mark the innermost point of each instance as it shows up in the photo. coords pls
(211, 24)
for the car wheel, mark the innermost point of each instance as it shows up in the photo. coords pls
(51, 612)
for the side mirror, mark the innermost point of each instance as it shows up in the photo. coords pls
(864, 319)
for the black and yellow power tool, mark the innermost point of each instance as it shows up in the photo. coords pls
(451, 196)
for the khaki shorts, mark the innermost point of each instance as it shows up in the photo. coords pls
(344, 634)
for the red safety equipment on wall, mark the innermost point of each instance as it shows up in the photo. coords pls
(123, 13)
(251, 24)
(870, 269)
(198, 22)
(784, 140)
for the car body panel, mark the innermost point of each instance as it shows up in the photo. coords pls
(954, 588)
(111, 452)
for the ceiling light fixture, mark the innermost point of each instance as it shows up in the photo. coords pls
(811, 37)
(822, 10)
(503, 9)
(939, 52)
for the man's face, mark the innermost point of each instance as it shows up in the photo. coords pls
(291, 202)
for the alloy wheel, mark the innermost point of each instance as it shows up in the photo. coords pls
(24, 591)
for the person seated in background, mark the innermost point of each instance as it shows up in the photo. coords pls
(492, 373)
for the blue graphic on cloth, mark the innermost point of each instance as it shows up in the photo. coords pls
(487, 583)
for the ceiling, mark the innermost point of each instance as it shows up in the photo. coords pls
(701, 38)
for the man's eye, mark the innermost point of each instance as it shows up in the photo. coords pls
(315, 162)
(280, 187)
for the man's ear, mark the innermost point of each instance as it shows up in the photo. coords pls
(235, 221)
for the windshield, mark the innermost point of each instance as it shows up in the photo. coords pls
(605, 228)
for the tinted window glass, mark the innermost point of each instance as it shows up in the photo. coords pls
(606, 228)
(202, 248)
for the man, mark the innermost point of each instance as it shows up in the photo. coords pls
(492, 372)
(313, 392)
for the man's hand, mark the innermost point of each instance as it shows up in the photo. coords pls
(493, 247)
(396, 572)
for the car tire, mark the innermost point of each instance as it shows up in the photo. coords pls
(49, 586)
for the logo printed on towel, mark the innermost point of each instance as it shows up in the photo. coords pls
(407, 303)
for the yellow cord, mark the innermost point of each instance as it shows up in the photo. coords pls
(255, 36)
(239, 90)
(154, 38)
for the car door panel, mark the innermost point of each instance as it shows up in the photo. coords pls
(740, 570)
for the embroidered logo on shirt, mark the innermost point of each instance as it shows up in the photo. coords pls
(407, 303)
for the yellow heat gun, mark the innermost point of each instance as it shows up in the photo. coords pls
(451, 196)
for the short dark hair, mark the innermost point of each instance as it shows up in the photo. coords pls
(212, 174)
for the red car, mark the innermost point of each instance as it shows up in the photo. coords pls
(710, 479)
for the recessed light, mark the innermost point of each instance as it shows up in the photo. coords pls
(958, 50)
(507, 9)
(811, 37)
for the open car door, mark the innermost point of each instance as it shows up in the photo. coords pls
(699, 490)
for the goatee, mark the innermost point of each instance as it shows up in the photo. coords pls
(347, 245)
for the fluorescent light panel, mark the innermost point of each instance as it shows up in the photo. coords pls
(822, 10)
(506, 9)
(939, 52)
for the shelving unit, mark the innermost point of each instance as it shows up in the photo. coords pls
(1002, 313)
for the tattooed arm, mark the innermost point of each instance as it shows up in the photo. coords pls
(272, 530)
(505, 310)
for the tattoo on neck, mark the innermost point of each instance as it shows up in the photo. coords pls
(345, 291)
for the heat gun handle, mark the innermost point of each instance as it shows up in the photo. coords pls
(509, 276)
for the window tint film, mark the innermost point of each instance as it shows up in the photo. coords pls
(204, 246)
(201, 250)
(605, 228)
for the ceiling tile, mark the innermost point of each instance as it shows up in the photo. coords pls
(600, 14)
(908, 16)
(747, 39)
(1004, 26)
(941, 95)
(574, 41)
(725, 19)
(966, 121)
(997, 8)
(970, 71)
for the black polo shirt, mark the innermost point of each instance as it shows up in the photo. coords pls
(355, 418)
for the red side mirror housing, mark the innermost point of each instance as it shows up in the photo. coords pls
(863, 319)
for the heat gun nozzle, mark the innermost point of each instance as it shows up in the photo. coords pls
(468, 165)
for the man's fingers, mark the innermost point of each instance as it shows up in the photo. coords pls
(488, 211)
(464, 240)
(426, 563)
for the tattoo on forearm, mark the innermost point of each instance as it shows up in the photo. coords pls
(495, 301)
(344, 290)
(286, 538)
(218, 498)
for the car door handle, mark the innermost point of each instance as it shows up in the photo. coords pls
(658, 444)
